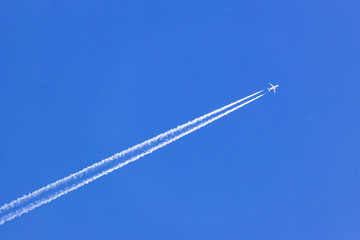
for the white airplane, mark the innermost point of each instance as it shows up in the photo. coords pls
(273, 87)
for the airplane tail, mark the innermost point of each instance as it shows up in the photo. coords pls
(269, 89)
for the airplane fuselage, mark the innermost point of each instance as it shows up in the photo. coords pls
(273, 88)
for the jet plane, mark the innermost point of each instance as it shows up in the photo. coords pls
(273, 87)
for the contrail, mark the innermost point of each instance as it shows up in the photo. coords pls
(53, 185)
(162, 139)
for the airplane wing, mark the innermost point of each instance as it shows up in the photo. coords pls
(274, 90)
(271, 85)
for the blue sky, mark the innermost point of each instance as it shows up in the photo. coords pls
(80, 81)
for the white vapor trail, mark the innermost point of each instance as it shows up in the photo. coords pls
(96, 170)
(115, 156)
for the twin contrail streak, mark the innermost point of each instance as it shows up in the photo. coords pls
(117, 155)
(74, 181)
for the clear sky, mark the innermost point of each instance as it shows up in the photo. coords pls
(82, 80)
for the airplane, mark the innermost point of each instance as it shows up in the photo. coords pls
(273, 87)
